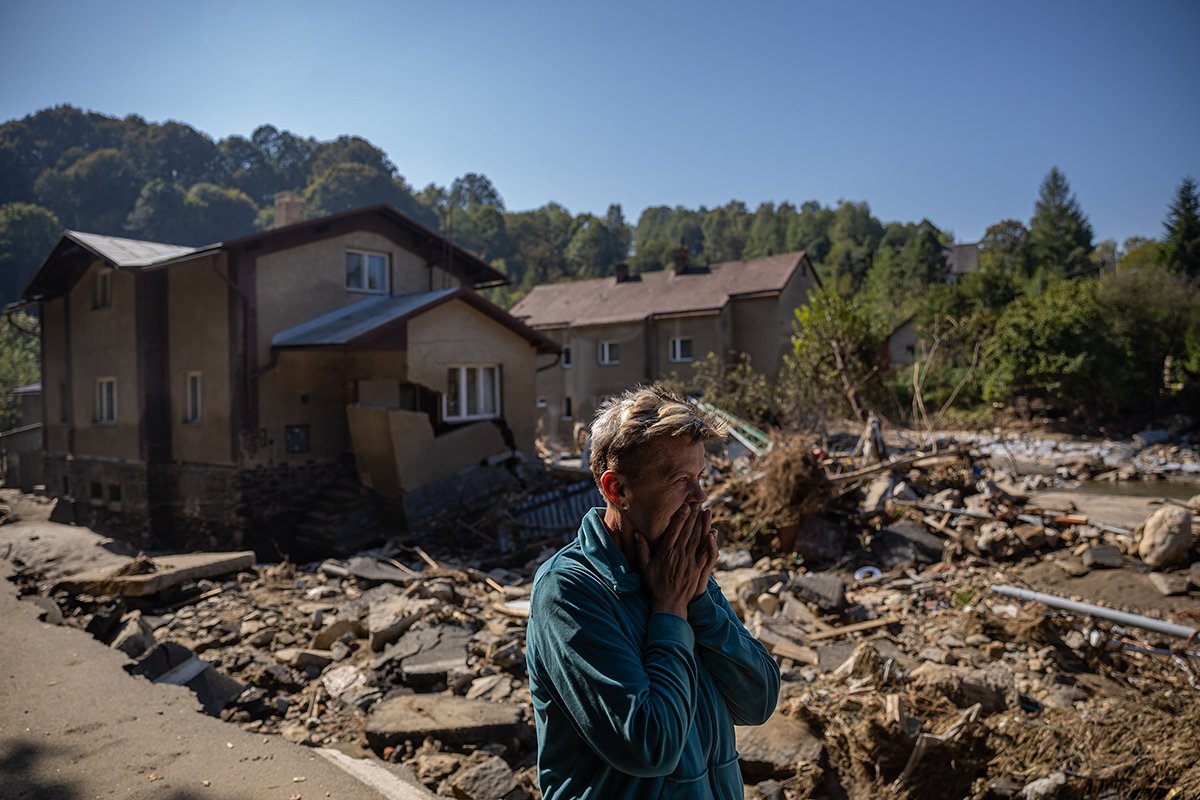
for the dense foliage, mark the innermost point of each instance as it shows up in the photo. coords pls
(1088, 327)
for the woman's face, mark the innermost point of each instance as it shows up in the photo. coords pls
(669, 479)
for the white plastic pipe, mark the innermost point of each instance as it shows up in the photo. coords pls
(1135, 620)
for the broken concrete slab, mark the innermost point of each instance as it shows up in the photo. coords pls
(168, 571)
(905, 542)
(453, 720)
(335, 630)
(302, 658)
(390, 617)
(992, 688)
(774, 749)
(1103, 556)
(340, 680)
(1169, 584)
(174, 664)
(815, 538)
(1194, 574)
(431, 665)
(827, 591)
(134, 637)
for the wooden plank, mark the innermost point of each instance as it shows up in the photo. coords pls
(855, 628)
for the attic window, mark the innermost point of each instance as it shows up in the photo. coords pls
(102, 289)
(366, 272)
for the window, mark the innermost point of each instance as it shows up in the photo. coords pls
(566, 357)
(366, 272)
(472, 392)
(609, 353)
(106, 400)
(681, 349)
(97, 490)
(295, 439)
(102, 289)
(541, 402)
(114, 493)
(566, 408)
(194, 406)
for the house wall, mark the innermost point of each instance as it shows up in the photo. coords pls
(453, 333)
(294, 285)
(198, 338)
(902, 345)
(104, 344)
(709, 334)
(305, 387)
(762, 326)
(54, 374)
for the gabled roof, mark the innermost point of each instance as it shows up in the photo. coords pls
(130, 252)
(349, 324)
(656, 294)
(75, 248)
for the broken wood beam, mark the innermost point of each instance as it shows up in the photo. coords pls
(855, 628)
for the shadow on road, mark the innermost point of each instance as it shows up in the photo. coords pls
(34, 771)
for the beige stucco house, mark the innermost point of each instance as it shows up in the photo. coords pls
(219, 389)
(628, 329)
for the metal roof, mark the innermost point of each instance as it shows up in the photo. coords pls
(349, 322)
(130, 252)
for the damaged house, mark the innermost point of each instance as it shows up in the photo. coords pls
(638, 328)
(217, 391)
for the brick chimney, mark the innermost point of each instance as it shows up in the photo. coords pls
(680, 256)
(289, 209)
(621, 272)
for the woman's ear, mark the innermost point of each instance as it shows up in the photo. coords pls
(613, 487)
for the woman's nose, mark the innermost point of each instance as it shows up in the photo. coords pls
(696, 493)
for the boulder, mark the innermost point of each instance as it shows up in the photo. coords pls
(1166, 537)
(1169, 584)
(492, 779)
(775, 749)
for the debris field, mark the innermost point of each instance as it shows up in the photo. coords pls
(890, 585)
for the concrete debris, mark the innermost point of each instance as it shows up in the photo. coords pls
(915, 681)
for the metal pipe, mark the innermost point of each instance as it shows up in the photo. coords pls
(1136, 620)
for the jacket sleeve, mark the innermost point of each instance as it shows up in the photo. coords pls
(631, 701)
(745, 673)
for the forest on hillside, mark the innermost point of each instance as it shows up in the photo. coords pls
(1093, 328)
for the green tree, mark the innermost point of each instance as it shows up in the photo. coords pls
(1181, 242)
(539, 244)
(350, 150)
(160, 215)
(832, 367)
(1060, 236)
(765, 237)
(347, 185)
(289, 154)
(594, 248)
(1005, 246)
(810, 231)
(27, 232)
(250, 170)
(216, 214)
(1139, 253)
(95, 193)
(474, 189)
(20, 360)
(725, 230)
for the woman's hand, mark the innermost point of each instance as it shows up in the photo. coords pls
(676, 570)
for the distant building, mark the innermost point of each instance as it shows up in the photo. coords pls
(21, 445)
(214, 390)
(619, 331)
(962, 259)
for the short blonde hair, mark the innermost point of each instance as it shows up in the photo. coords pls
(627, 423)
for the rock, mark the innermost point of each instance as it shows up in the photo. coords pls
(262, 638)
(453, 720)
(1045, 788)
(937, 655)
(302, 658)
(1194, 574)
(964, 686)
(1166, 537)
(1194, 502)
(340, 680)
(734, 559)
(832, 655)
(815, 538)
(774, 749)
(1103, 556)
(491, 780)
(826, 590)
(876, 495)
(1169, 584)
(335, 631)
(296, 733)
(51, 613)
(946, 498)
(997, 539)
(1032, 536)
(390, 617)
(134, 637)
(490, 687)
(743, 586)
(905, 542)
(1072, 566)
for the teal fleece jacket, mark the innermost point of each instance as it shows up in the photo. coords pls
(630, 704)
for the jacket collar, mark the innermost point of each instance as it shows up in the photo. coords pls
(602, 552)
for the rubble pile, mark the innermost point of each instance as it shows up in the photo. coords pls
(883, 584)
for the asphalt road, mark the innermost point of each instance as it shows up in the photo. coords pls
(75, 725)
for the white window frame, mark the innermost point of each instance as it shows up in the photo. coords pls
(104, 410)
(193, 403)
(608, 352)
(480, 393)
(365, 286)
(102, 289)
(675, 350)
(566, 357)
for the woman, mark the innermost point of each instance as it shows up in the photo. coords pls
(638, 667)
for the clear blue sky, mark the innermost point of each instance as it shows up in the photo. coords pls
(953, 111)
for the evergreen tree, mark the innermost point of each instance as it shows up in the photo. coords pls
(1181, 245)
(1060, 236)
